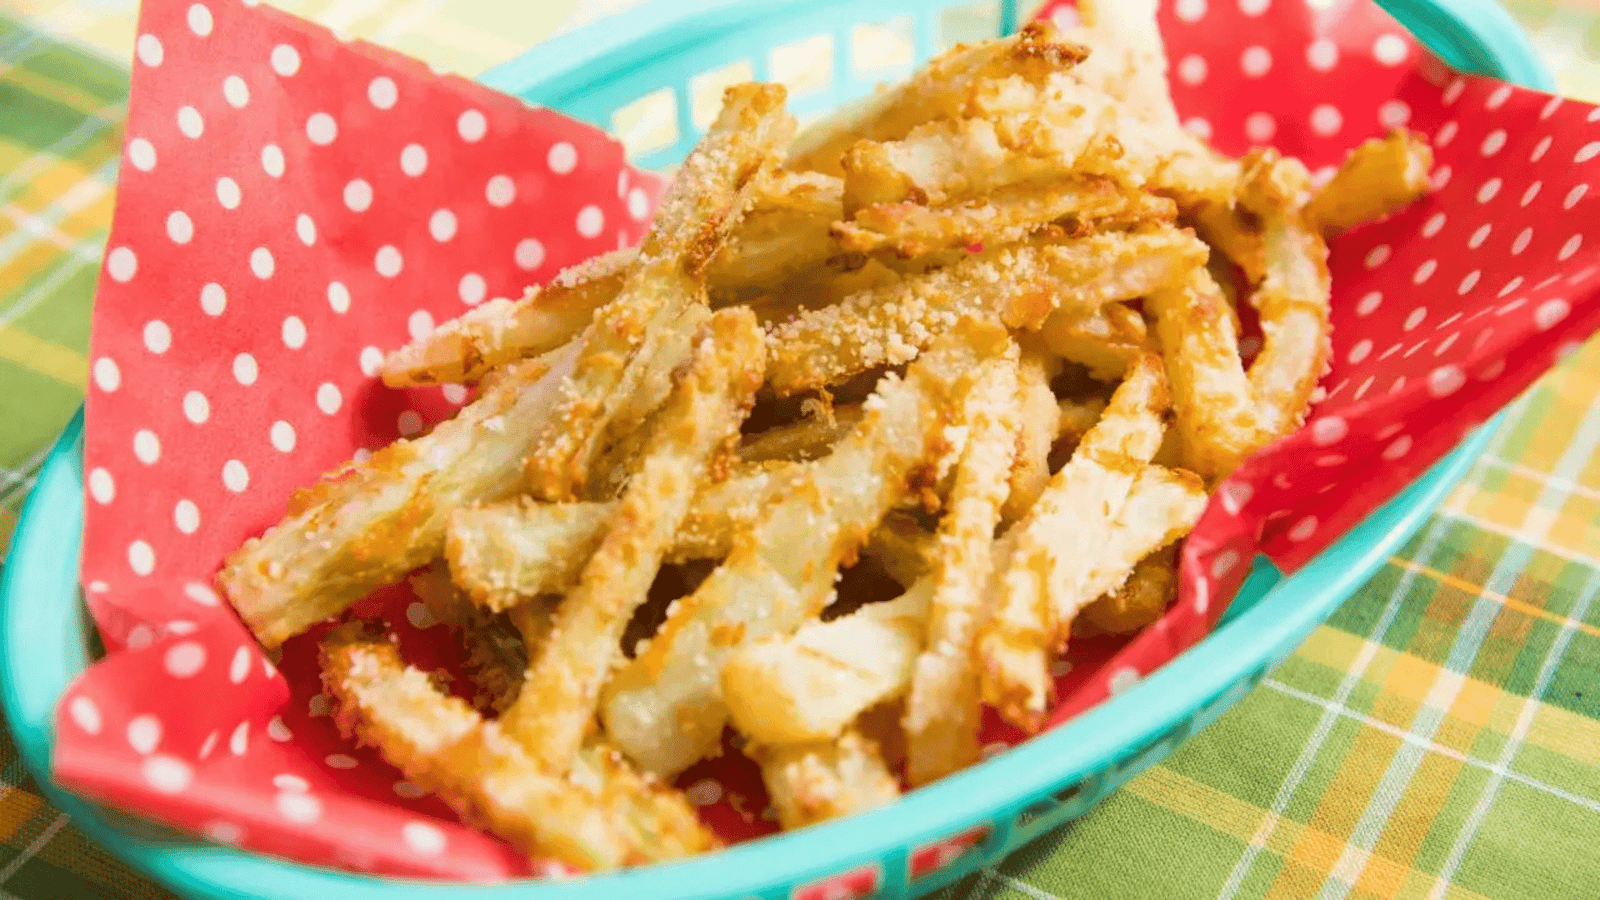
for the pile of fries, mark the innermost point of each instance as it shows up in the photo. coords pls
(872, 424)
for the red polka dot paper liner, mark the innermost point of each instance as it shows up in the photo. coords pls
(292, 205)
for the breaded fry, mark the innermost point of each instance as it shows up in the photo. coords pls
(1105, 340)
(1038, 422)
(811, 783)
(942, 709)
(939, 90)
(603, 817)
(1129, 61)
(805, 439)
(368, 524)
(1056, 544)
(1142, 599)
(665, 709)
(1019, 286)
(1292, 298)
(702, 413)
(1005, 216)
(785, 234)
(809, 685)
(464, 349)
(504, 553)
(610, 391)
(1216, 413)
(1377, 179)
(902, 548)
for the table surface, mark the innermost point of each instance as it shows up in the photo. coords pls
(1438, 738)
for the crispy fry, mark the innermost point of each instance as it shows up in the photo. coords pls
(1292, 297)
(784, 234)
(811, 783)
(611, 390)
(665, 709)
(942, 709)
(1161, 506)
(498, 332)
(703, 412)
(1105, 340)
(1216, 414)
(810, 685)
(939, 90)
(1039, 421)
(1005, 216)
(1019, 286)
(902, 548)
(1142, 599)
(370, 523)
(603, 817)
(805, 439)
(1058, 540)
(1377, 179)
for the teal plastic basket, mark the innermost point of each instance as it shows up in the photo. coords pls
(1010, 800)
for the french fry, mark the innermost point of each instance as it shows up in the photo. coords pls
(1019, 286)
(1141, 600)
(942, 709)
(1058, 540)
(602, 817)
(703, 412)
(611, 389)
(1038, 422)
(1161, 506)
(368, 524)
(811, 783)
(1105, 340)
(1292, 298)
(806, 439)
(1216, 413)
(902, 548)
(939, 90)
(784, 235)
(665, 708)
(1377, 179)
(1005, 216)
(810, 685)
(1129, 61)
(464, 349)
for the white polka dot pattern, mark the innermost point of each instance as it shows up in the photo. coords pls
(302, 205)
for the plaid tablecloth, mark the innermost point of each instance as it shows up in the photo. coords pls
(1438, 738)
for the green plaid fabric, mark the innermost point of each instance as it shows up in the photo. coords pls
(1438, 738)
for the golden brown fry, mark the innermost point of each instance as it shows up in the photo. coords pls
(1038, 423)
(1077, 417)
(1161, 506)
(1216, 413)
(603, 817)
(942, 709)
(1142, 599)
(665, 709)
(505, 553)
(1019, 286)
(1129, 61)
(806, 439)
(612, 390)
(1058, 540)
(809, 685)
(368, 524)
(1377, 179)
(941, 89)
(1105, 340)
(902, 548)
(703, 412)
(811, 783)
(785, 234)
(1005, 216)
(1292, 298)
(464, 349)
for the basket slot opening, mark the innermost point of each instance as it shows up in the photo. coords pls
(966, 23)
(647, 124)
(804, 66)
(881, 48)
